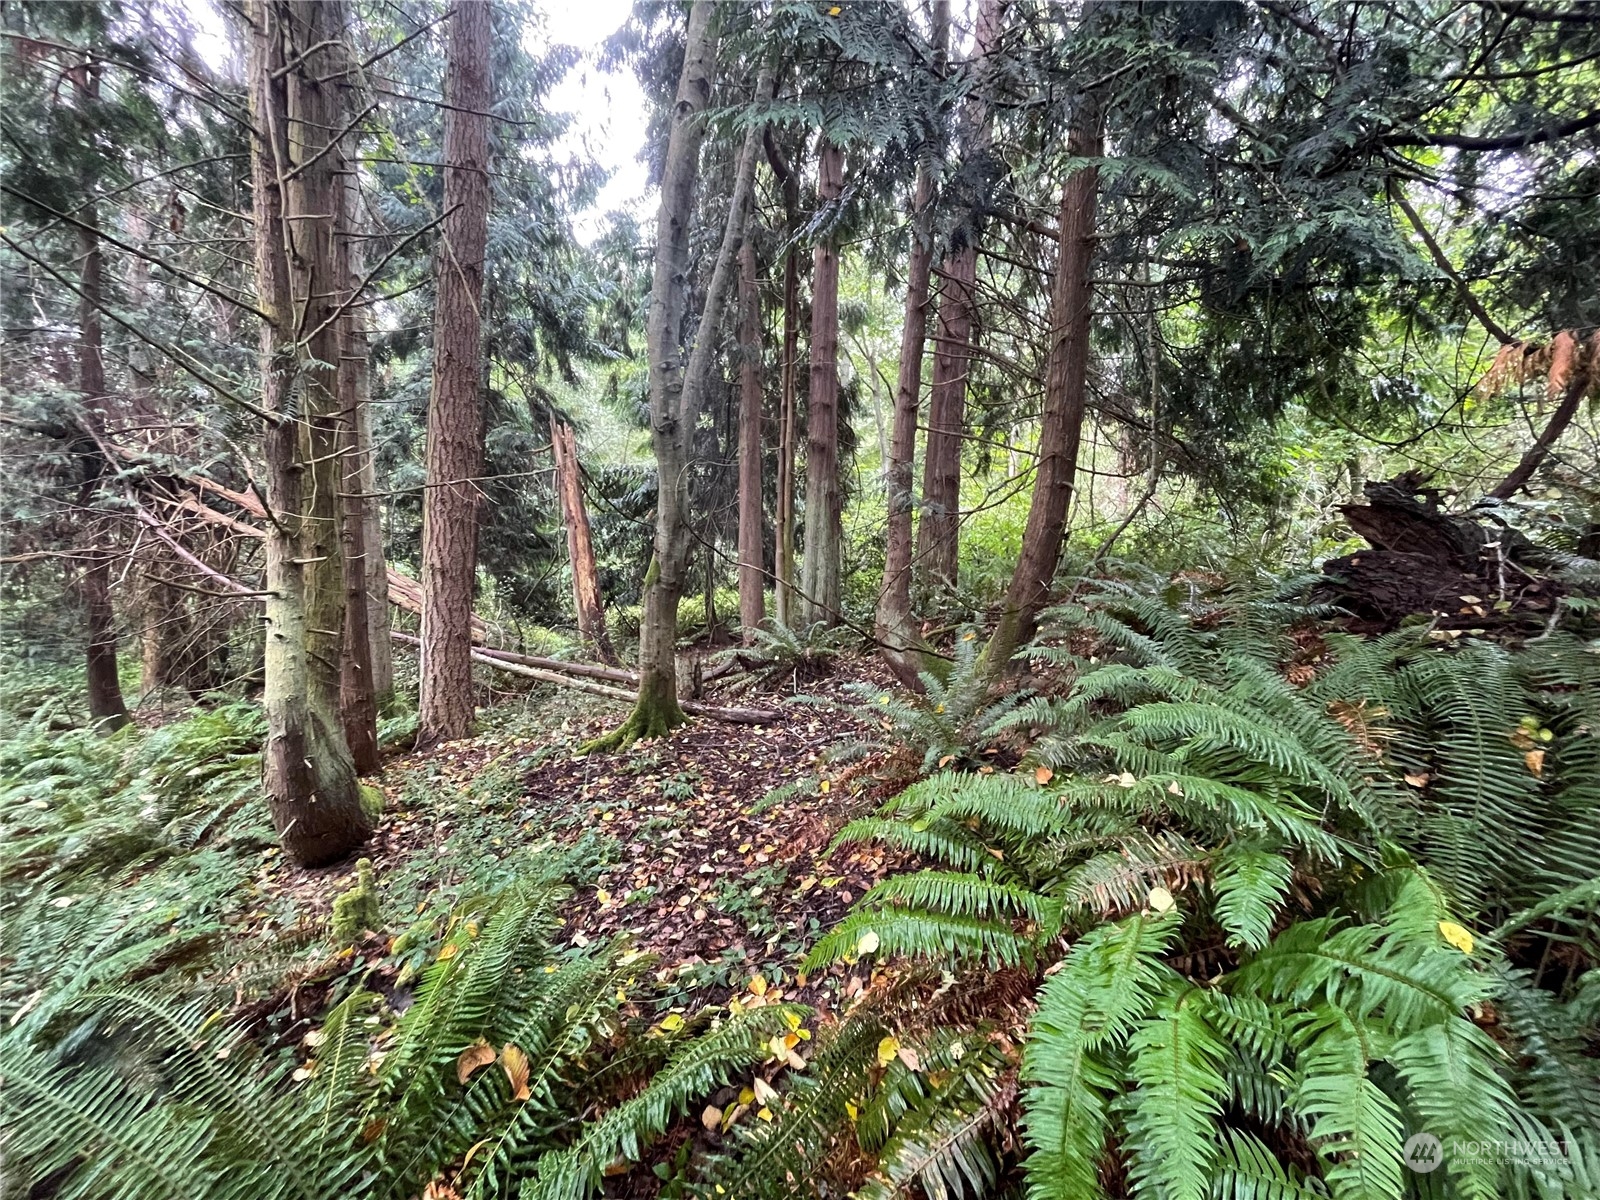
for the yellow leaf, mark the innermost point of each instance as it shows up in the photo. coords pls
(515, 1064)
(887, 1049)
(672, 1022)
(835, 11)
(1043, 775)
(824, 786)
(602, 895)
(758, 984)
(1160, 899)
(850, 1109)
(449, 950)
(479, 1054)
(792, 1019)
(867, 943)
(1458, 936)
(747, 1095)
(735, 1005)
(765, 1114)
(1535, 761)
(968, 636)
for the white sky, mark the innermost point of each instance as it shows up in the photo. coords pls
(608, 107)
(609, 112)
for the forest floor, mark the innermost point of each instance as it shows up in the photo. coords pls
(707, 849)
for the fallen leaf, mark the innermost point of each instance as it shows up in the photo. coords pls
(1420, 779)
(1174, 788)
(1160, 900)
(479, 1054)
(515, 1064)
(672, 1022)
(1457, 935)
(868, 943)
(765, 1093)
(1043, 775)
(888, 1049)
(1535, 761)
(758, 984)
(711, 1117)
(909, 1056)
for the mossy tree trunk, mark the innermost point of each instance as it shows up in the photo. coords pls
(297, 55)
(455, 410)
(678, 376)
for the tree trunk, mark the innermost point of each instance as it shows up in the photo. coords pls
(375, 566)
(752, 582)
(358, 702)
(939, 532)
(455, 415)
(819, 569)
(106, 705)
(677, 387)
(1064, 397)
(783, 550)
(895, 632)
(309, 776)
(580, 546)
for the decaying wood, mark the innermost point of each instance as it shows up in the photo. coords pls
(558, 673)
(580, 545)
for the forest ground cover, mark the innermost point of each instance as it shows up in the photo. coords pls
(707, 848)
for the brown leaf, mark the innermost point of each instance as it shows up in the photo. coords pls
(1563, 361)
(515, 1064)
(1535, 761)
(1420, 779)
(479, 1054)
(1043, 775)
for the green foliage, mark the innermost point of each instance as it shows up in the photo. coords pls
(509, 1052)
(1319, 998)
(950, 721)
(357, 909)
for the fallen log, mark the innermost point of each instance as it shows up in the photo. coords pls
(590, 670)
(1426, 560)
(713, 712)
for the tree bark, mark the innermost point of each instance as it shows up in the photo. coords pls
(783, 517)
(939, 532)
(106, 705)
(358, 703)
(455, 415)
(580, 545)
(820, 566)
(752, 580)
(295, 108)
(375, 565)
(1585, 375)
(895, 631)
(1065, 396)
(678, 381)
